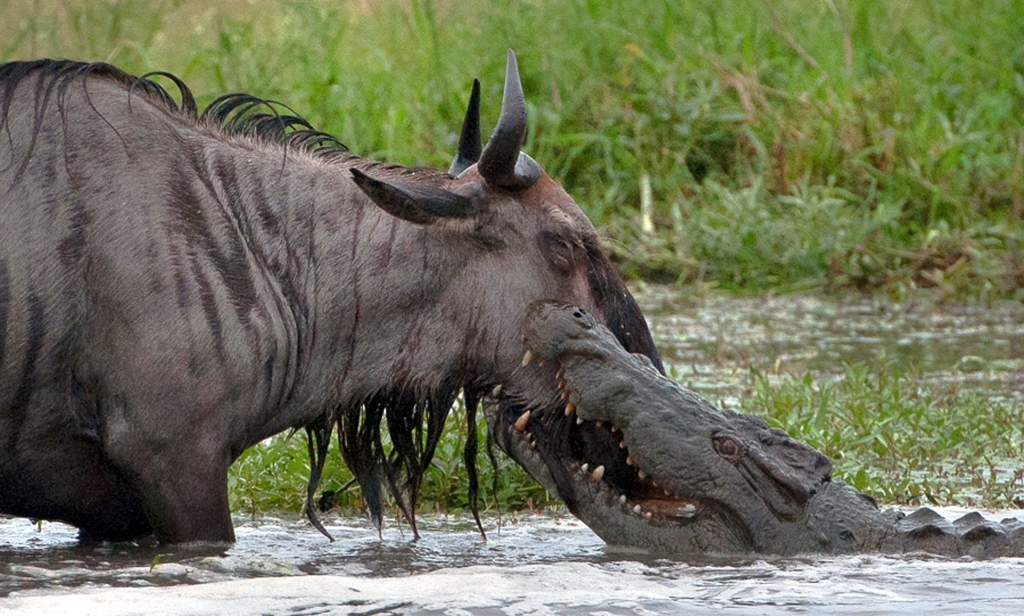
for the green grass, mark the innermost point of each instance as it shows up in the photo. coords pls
(843, 144)
(890, 436)
(272, 477)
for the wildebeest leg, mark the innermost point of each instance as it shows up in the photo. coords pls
(177, 463)
(184, 494)
(192, 506)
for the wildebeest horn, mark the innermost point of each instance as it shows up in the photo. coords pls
(415, 203)
(469, 140)
(501, 163)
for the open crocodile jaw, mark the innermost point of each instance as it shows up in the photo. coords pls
(638, 514)
(582, 447)
(627, 453)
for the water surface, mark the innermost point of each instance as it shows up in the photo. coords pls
(712, 342)
(538, 564)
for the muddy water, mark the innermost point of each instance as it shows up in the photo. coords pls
(712, 343)
(553, 564)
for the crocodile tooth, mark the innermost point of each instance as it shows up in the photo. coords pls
(533, 444)
(527, 358)
(523, 339)
(585, 467)
(622, 444)
(496, 391)
(641, 473)
(637, 509)
(561, 374)
(598, 473)
(579, 420)
(565, 394)
(629, 460)
(648, 515)
(614, 429)
(622, 499)
(569, 408)
(686, 511)
(561, 383)
(520, 424)
(598, 423)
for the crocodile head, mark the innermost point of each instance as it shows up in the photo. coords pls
(643, 461)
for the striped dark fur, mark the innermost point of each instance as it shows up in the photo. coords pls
(177, 285)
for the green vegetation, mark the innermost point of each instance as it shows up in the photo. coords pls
(787, 144)
(891, 437)
(272, 477)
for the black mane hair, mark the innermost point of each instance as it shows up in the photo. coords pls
(264, 120)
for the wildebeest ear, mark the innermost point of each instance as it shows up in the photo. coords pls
(469, 140)
(415, 203)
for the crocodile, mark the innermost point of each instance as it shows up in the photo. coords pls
(647, 463)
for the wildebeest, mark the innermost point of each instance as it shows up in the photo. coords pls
(176, 286)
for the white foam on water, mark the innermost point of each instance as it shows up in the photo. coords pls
(536, 564)
(861, 584)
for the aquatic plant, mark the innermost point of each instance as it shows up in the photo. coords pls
(892, 436)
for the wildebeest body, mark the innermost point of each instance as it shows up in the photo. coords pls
(172, 292)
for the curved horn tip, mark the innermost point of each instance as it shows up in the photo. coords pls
(510, 62)
(499, 158)
(513, 101)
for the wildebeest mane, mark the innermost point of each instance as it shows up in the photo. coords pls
(265, 120)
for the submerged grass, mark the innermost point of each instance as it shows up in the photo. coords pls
(787, 144)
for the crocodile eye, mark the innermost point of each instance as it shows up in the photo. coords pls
(766, 437)
(728, 447)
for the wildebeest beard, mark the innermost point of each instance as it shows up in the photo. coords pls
(415, 419)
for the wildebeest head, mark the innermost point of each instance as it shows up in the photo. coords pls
(516, 227)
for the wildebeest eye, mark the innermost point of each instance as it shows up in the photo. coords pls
(728, 447)
(559, 251)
